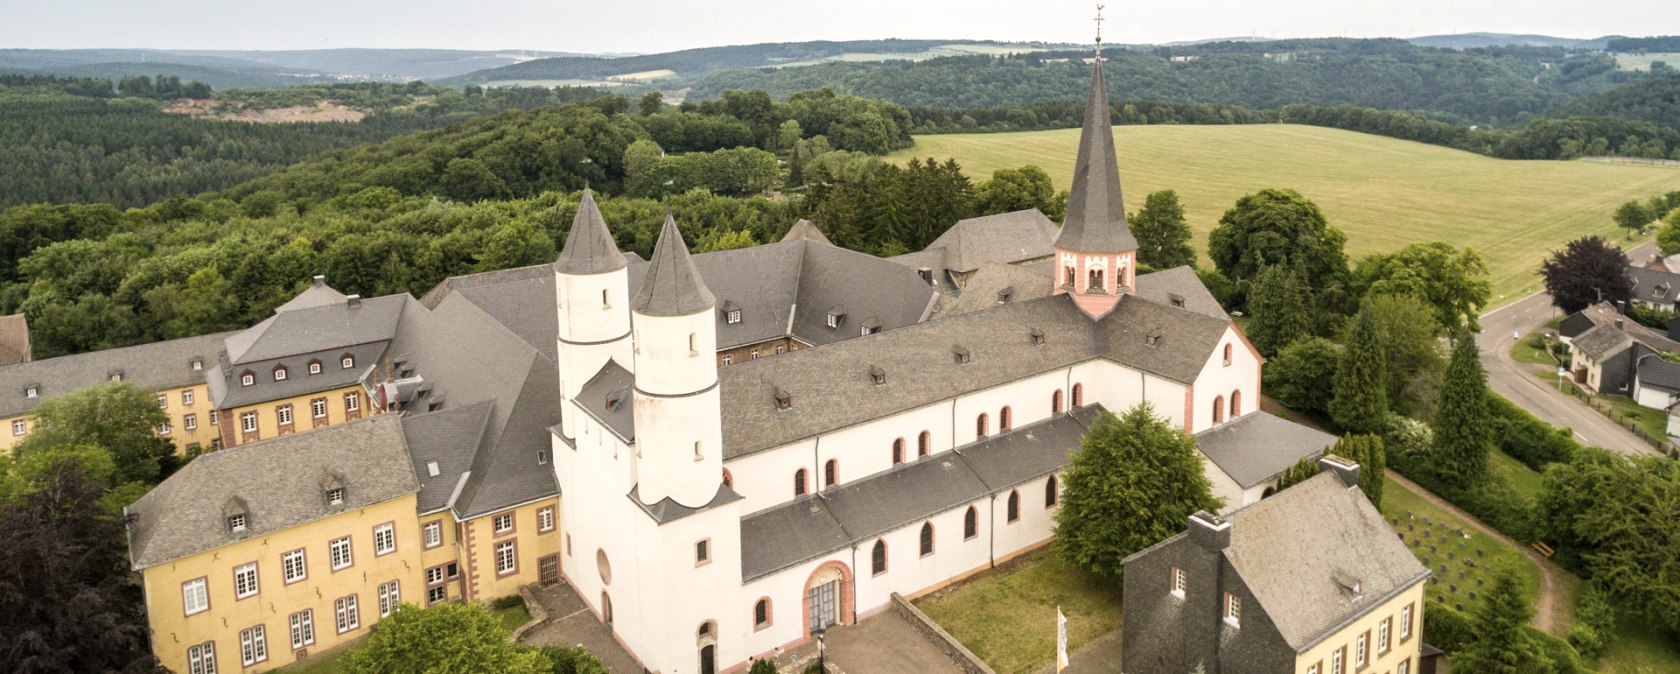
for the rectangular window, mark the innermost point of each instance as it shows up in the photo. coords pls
(318, 408)
(388, 598)
(436, 594)
(1359, 646)
(303, 628)
(1313, 669)
(247, 379)
(545, 519)
(504, 523)
(702, 552)
(20, 427)
(293, 567)
(352, 401)
(728, 359)
(186, 397)
(1405, 667)
(283, 414)
(506, 561)
(248, 422)
(1233, 609)
(434, 575)
(201, 659)
(163, 401)
(754, 354)
(1336, 660)
(245, 580)
(190, 422)
(164, 429)
(214, 417)
(253, 645)
(433, 532)
(344, 609)
(1179, 581)
(195, 596)
(1382, 635)
(338, 553)
(1406, 622)
(384, 539)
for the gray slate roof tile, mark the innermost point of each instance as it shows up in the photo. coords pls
(609, 398)
(1180, 286)
(671, 286)
(1096, 216)
(1257, 446)
(1659, 373)
(1654, 285)
(1601, 342)
(159, 365)
(589, 248)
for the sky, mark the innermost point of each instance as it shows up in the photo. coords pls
(620, 26)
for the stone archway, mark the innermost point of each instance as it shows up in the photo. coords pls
(828, 597)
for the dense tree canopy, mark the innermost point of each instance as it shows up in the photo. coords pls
(1463, 437)
(117, 417)
(1454, 282)
(1588, 270)
(1279, 227)
(1281, 307)
(1359, 390)
(1295, 376)
(1162, 233)
(446, 638)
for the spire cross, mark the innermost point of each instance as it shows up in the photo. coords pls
(1099, 21)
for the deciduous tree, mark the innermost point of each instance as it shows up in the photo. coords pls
(1633, 217)
(1278, 227)
(117, 417)
(1162, 233)
(1452, 281)
(446, 638)
(1296, 375)
(1133, 482)
(1586, 271)
(1016, 190)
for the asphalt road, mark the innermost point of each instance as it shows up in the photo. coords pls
(1508, 378)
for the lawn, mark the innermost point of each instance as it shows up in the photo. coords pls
(1383, 192)
(1008, 617)
(1515, 473)
(1638, 649)
(1462, 558)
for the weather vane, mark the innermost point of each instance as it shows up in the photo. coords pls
(1099, 21)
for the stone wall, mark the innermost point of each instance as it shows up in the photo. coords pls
(960, 654)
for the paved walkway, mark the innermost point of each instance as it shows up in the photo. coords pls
(571, 623)
(884, 643)
(1513, 380)
(1546, 605)
(1098, 656)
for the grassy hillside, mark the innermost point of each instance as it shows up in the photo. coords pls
(1383, 192)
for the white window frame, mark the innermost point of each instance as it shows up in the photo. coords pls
(1180, 581)
(32, 392)
(346, 615)
(833, 321)
(1233, 610)
(545, 519)
(318, 408)
(314, 367)
(1336, 664)
(1406, 622)
(165, 428)
(433, 533)
(20, 427)
(1383, 642)
(303, 628)
(214, 417)
(499, 519)
(335, 496)
(187, 397)
(279, 374)
(283, 415)
(507, 558)
(728, 359)
(436, 594)
(190, 422)
(339, 554)
(1405, 667)
(294, 561)
(1361, 650)
(195, 596)
(201, 658)
(248, 422)
(163, 401)
(247, 379)
(347, 362)
(390, 594)
(384, 539)
(352, 402)
(245, 581)
(732, 317)
(253, 645)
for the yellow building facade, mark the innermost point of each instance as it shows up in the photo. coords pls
(295, 414)
(1386, 640)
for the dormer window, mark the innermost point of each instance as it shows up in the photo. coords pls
(1037, 337)
(335, 496)
(32, 392)
(871, 326)
(115, 375)
(962, 354)
(731, 313)
(616, 398)
(248, 378)
(1176, 300)
(238, 517)
(783, 400)
(314, 367)
(197, 364)
(877, 375)
(1152, 337)
(1004, 295)
(280, 374)
(236, 523)
(836, 316)
(347, 361)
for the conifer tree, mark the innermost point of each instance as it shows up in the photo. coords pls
(1367, 450)
(1162, 233)
(1359, 403)
(1302, 471)
(1462, 434)
(1502, 644)
(1280, 305)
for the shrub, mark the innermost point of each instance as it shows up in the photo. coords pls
(1448, 628)
(572, 660)
(510, 601)
(763, 667)
(1526, 438)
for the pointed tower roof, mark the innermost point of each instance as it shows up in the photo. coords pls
(1096, 218)
(672, 286)
(589, 248)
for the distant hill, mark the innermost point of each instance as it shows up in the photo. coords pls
(217, 78)
(692, 63)
(386, 64)
(1655, 100)
(1483, 40)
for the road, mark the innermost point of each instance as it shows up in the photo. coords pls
(1509, 378)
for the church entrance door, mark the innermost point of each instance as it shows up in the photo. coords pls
(824, 602)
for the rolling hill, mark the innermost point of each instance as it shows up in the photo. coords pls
(1384, 193)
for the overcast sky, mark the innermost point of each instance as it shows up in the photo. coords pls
(663, 25)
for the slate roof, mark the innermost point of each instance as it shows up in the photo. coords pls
(671, 286)
(1258, 446)
(1658, 373)
(831, 387)
(314, 321)
(227, 391)
(1180, 285)
(608, 397)
(1604, 313)
(159, 365)
(1005, 237)
(1601, 342)
(809, 527)
(589, 247)
(449, 438)
(1096, 217)
(807, 230)
(1654, 285)
(1348, 539)
(14, 340)
(280, 482)
(994, 284)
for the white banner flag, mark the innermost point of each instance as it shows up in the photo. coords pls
(1061, 640)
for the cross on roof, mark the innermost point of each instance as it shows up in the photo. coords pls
(1099, 21)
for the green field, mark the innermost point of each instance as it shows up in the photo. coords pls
(1385, 193)
(1643, 61)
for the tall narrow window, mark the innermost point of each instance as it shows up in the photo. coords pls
(878, 558)
(1056, 402)
(980, 426)
(347, 615)
(195, 596)
(1179, 581)
(799, 482)
(389, 595)
(971, 523)
(303, 628)
(292, 566)
(1233, 609)
(1236, 404)
(1406, 622)
(253, 645)
(1218, 409)
(245, 581)
(338, 552)
(1006, 419)
(1382, 635)
(1078, 395)
(1050, 492)
(1068, 275)
(201, 659)
(761, 613)
(927, 538)
(1227, 354)
(1014, 506)
(898, 451)
(384, 539)
(923, 443)
(831, 473)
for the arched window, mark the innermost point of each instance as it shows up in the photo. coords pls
(1218, 409)
(831, 472)
(1069, 276)
(878, 558)
(1056, 402)
(1227, 354)
(1050, 492)
(604, 302)
(799, 482)
(923, 443)
(1078, 395)
(971, 523)
(898, 451)
(728, 480)
(980, 426)
(1006, 420)
(1014, 506)
(693, 344)
(761, 613)
(1096, 279)
(1236, 404)
(927, 538)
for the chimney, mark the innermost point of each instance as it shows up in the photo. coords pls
(1619, 324)
(320, 280)
(1210, 531)
(1345, 469)
(354, 301)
